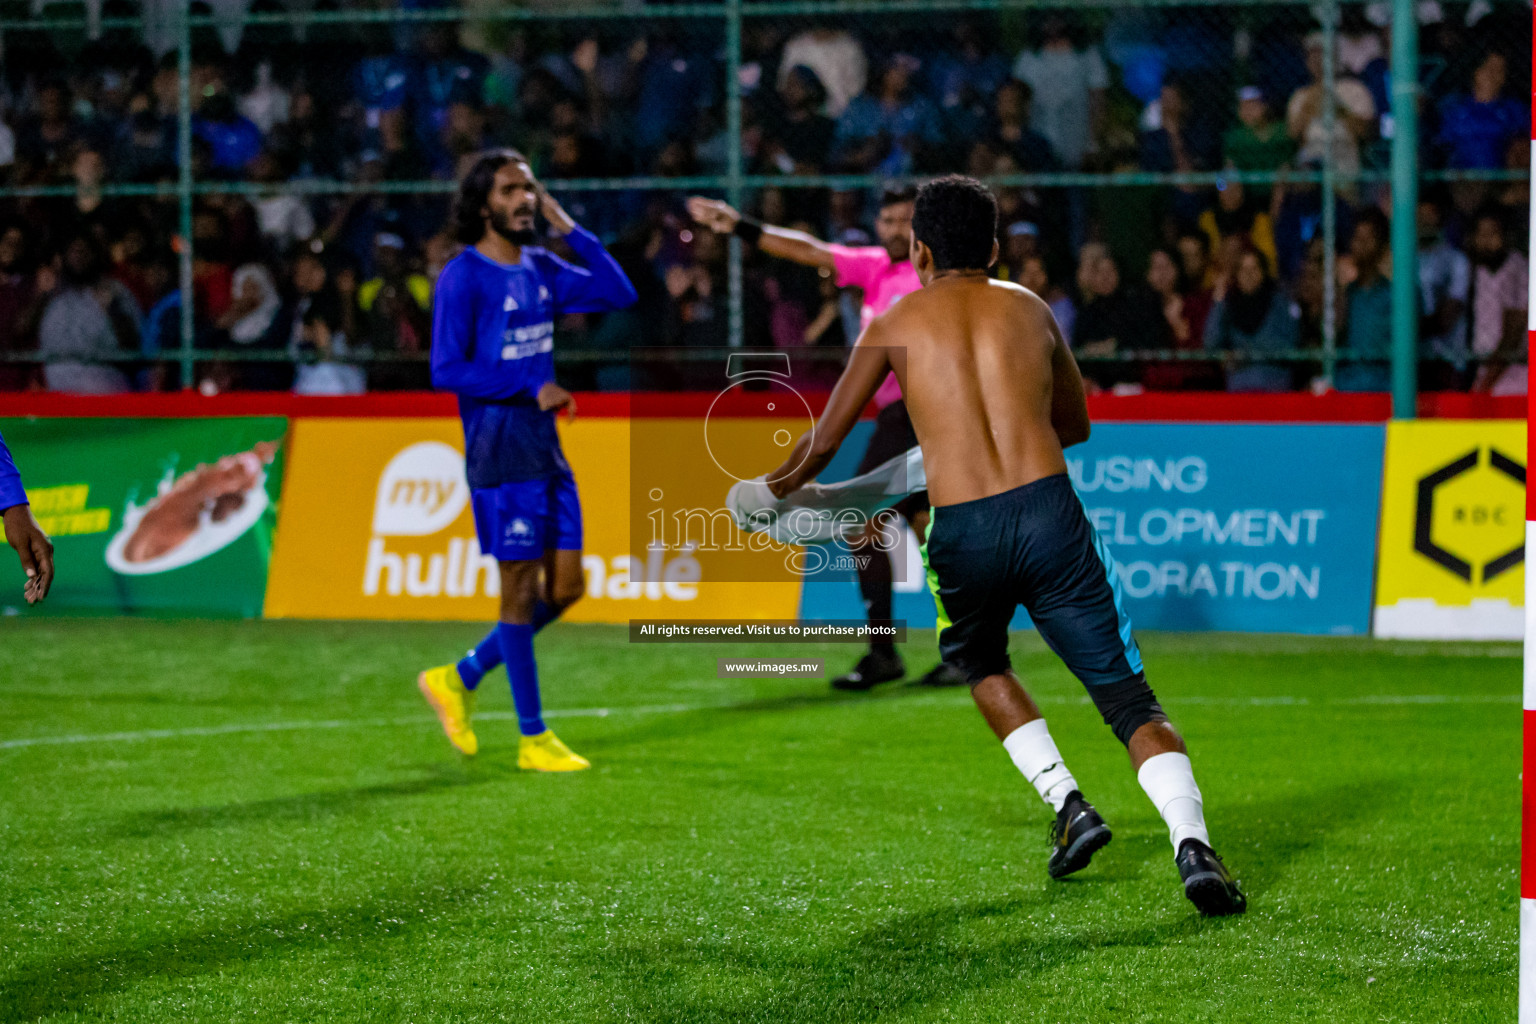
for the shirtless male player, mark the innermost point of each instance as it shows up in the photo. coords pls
(995, 396)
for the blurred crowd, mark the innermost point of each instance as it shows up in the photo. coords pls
(312, 272)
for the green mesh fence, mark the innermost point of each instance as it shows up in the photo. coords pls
(1155, 155)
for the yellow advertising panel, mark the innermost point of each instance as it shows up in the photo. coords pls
(1452, 558)
(376, 523)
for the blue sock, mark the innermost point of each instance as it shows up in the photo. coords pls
(485, 656)
(543, 614)
(517, 649)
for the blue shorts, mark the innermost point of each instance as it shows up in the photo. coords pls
(519, 521)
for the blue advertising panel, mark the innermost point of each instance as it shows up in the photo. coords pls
(1246, 527)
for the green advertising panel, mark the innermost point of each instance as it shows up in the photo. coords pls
(150, 516)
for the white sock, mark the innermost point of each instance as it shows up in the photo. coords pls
(1035, 754)
(1169, 780)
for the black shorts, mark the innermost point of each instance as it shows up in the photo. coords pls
(1034, 546)
(893, 436)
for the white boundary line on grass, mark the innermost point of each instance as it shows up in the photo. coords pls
(237, 728)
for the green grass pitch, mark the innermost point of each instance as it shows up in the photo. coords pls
(261, 821)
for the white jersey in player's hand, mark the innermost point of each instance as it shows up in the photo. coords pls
(821, 513)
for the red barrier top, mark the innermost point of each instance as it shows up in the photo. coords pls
(1193, 406)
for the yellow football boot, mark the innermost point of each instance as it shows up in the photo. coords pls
(545, 753)
(453, 703)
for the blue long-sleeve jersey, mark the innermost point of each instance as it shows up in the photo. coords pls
(11, 492)
(493, 327)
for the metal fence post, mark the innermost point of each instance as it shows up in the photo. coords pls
(733, 185)
(1405, 202)
(184, 185)
(1329, 197)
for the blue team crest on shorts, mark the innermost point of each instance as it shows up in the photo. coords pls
(519, 527)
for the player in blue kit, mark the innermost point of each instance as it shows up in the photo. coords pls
(22, 531)
(492, 344)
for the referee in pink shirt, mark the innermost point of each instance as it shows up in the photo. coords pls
(884, 273)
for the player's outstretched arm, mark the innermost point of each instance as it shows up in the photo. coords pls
(867, 366)
(599, 287)
(1069, 406)
(22, 531)
(781, 242)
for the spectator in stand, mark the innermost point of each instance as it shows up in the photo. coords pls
(790, 322)
(837, 60)
(505, 76)
(88, 211)
(1513, 198)
(246, 324)
(442, 75)
(797, 137)
(88, 320)
(1499, 298)
(1186, 327)
(1035, 275)
(1068, 87)
(1010, 132)
(266, 104)
(892, 130)
(7, 149)
(1257, 142)
(1117, 319)
(1363, 55)
(310, 288)
(144, 145)
(1476, 128)
(966, 76)
(1165, 279)
(1354, 120)
(1253, 317)
(46, 139)
(1308, 291)
(531, 116)
(674, 85)
(1174, 142)
(19, 306)
(282, 216)
(1087, 275)
(322, 347)
(134, 262)
(254, 305)
(464, 137)
(1171, 139)
(358, 217)
(696, 286)
(1192, 250)
(1020, 241)
(212, 275)
(393, 310)
(232, 139)
(308, 144)
(1445, 280)
(1236, 222)
(1360, 43)
(1367, 337)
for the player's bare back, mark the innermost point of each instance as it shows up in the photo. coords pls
(988, 382)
